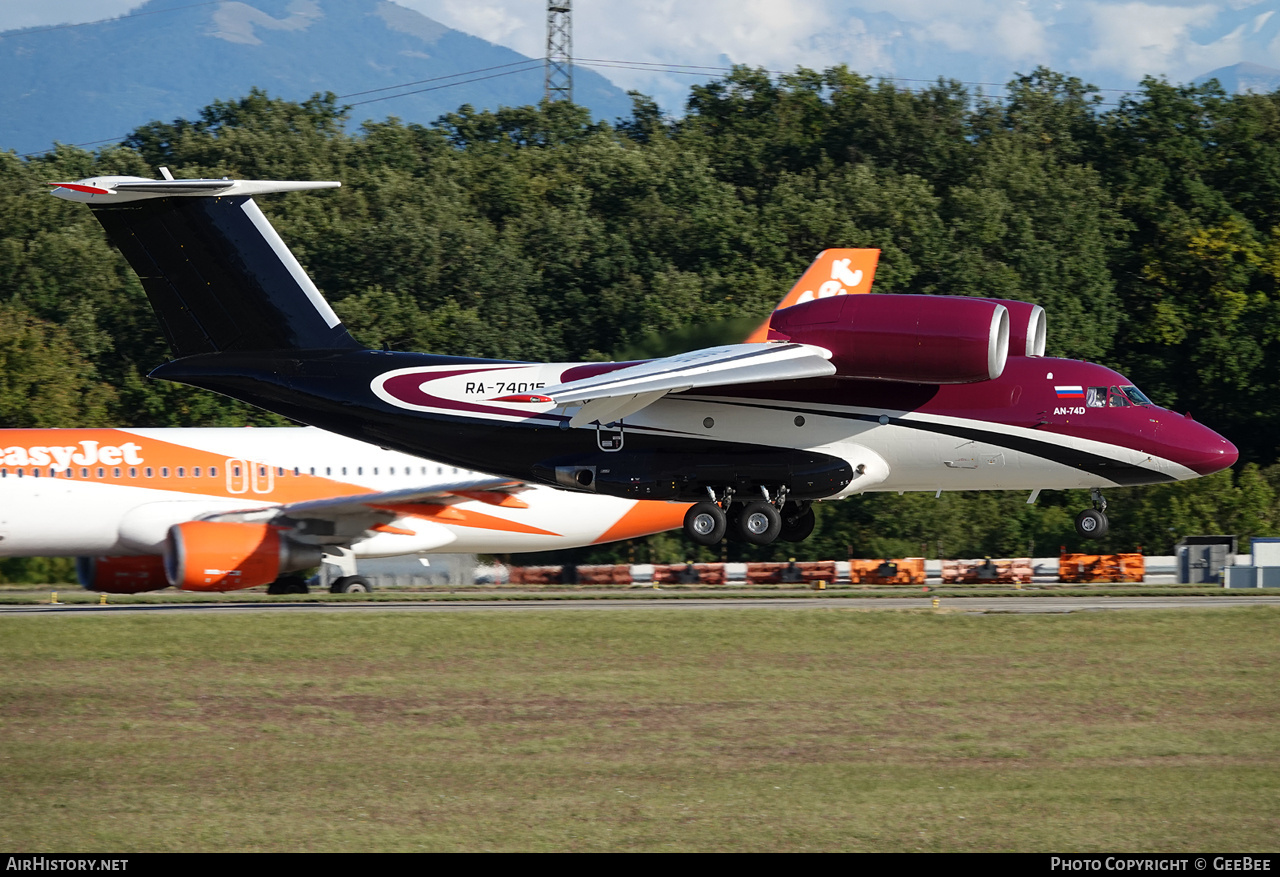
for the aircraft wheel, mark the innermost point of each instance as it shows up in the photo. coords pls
(289, 585)
(705, 523)
(351, 585)
(1092, 524)
(759, 523)
(798, 526)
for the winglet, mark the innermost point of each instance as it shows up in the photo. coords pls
(846, 271)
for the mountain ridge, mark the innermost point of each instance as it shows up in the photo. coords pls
(100, 81)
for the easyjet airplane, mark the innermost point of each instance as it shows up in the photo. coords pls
(222, 509)
(839, 393)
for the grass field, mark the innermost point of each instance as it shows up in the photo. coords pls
(824, 729)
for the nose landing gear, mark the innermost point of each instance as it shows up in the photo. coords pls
(1092, 523)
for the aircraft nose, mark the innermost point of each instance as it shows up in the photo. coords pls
(1195, 446)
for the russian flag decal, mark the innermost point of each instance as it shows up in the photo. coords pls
(1069, 392)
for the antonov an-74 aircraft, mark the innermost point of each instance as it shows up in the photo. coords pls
(838, 394)
(224, 509)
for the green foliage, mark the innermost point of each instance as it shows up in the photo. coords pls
(1147, 231)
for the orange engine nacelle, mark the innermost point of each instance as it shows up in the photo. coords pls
(222, 556)
(122, 575)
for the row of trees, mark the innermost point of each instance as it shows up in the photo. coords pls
(1146, 228)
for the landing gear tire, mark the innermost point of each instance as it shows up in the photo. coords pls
(1092, 524)
(351, 585)
(705, 523)
(759, 523)
(289, 585)
(797, 526)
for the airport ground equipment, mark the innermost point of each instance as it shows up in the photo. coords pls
(1083, 568)
(987, 571)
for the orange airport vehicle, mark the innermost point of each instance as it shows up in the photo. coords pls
(1078, 568)
(901, 571)
(986, 571)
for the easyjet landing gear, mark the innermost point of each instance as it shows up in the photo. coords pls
(1092, 523)
(350, 585)
(288, 584)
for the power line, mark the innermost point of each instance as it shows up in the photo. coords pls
(526, 65)
(697, 69)
(438, 78)
(535, 64)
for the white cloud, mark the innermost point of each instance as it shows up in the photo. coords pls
(510, 23)
(1111, 42)
(1137, 39)
(775, 34)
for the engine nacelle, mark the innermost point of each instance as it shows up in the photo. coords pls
(924, 339)
(122, 575)
(1027, 328)
(226, 556)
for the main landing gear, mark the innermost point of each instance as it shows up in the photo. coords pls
(1092, 523)
(288, 584)
(757, 521)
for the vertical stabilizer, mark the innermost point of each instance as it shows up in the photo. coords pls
(214, 269)
(835, 272)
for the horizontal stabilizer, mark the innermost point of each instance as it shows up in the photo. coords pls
(713, 367)
(118, 190)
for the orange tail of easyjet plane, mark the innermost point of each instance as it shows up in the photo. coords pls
(834, 272)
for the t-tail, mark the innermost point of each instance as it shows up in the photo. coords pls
(835, 272)
(216, 272)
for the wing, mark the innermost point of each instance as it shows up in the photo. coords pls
(344, 521)
(495, 491)
(613, 396)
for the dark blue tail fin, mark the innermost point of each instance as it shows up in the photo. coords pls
(216, 272)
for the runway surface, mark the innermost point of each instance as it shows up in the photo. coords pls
(979, 605)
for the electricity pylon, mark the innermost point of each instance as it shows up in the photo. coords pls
(559, 79)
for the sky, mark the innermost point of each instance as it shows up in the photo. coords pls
(1108, 43)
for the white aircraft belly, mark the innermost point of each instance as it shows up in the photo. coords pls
(917, 459)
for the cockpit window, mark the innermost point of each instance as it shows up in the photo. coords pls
(1136, 396)
(1096, 397)
(1118, 399)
